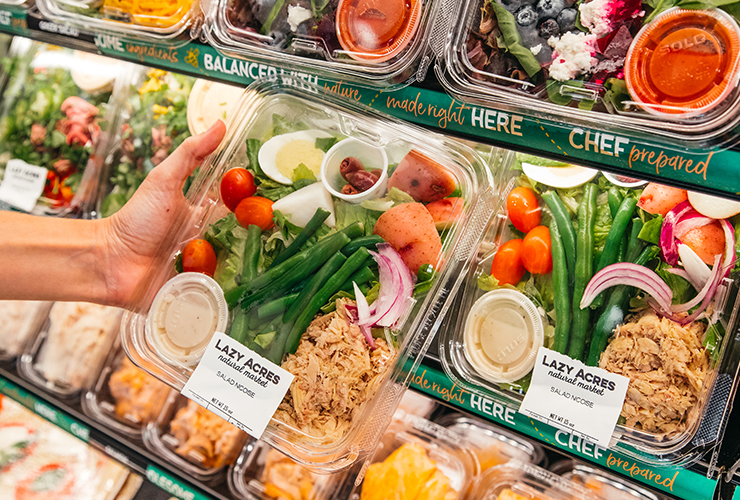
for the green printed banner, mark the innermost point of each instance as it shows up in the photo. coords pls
(674, 480)
(13, 21)
(171, 485)
(44, 410)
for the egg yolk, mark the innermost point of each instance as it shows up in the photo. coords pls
(296, 152)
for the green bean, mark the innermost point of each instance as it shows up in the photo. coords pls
(251, 253)
(584, 270)
(277, 306)
(561, 292)
(567, 233)
(617, 232)
(370, 242)
(615, 199)
(314, 285)
(634, 244)
(239, 325)
(313, 225)
(361, 277)
(330, 288)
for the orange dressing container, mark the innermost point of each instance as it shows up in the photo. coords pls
(684, 63)
(376, 30)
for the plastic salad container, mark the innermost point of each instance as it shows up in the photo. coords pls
(193, 439)
(416, 456)
(292, 118)
(19, 321)
(621, 66)
(605, 485)
(137, 18)
(71, 347)
(263, 473)
(522, 481)
(492, 445)
(490, 341)
(382, 44)
(53, 115)
(124, 397)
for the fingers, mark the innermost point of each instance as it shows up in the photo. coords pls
(191, 153)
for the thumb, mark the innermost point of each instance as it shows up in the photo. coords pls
(191, 153)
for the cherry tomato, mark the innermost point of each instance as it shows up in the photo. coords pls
(255, 210)
(237, 184)
(524, 211)
(536, 251)
(199, 257)
(507, 265)
(52, 188)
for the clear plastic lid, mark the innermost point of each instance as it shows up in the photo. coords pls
(54, 115)
(193, 439)
(604, 485)
(377, 43)
(522, 481)
(124, 397)
(492, 445)
(589, 63)
(137, 18)
(19, 322)
(516, 257)
(71, 347)
(279, 107)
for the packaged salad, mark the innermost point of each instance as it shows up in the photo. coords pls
(377, 43)
(621, 65)
(307, 272)
(52, 118)
(619, 273)
(20, 320)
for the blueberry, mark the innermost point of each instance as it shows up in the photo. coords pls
(525, 16)
(511, 5)
(549, 8)
(548, 28)
(567, 20)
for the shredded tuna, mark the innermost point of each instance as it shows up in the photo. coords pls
(666, 365)
(335, 373)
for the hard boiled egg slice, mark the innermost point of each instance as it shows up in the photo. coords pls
(282, 154)
(559, 177)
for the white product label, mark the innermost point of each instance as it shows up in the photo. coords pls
(238, 384)
(565, 393)
(22, 184)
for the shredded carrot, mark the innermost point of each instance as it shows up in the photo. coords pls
(150, 12)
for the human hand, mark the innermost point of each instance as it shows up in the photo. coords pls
(133, 236)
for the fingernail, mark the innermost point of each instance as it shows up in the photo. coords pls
(213, 126)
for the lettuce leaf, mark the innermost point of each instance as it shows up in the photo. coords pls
(347, 213)
(229, 240)
(650, 232)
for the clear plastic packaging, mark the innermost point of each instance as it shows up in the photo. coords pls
(71, 347)
(281, 102)
(193, 439)
(594, 85)
(655, 436)
(522, 481)
(606, 486)
(19, 322)
(135, 18)
(69, 97)
(348, 40)
(124, 398)
(492, 445)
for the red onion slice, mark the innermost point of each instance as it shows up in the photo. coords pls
(687, 306)
(692, 220)
(668, 232)
(626, 273)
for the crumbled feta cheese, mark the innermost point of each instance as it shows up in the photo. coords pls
(572, 55)
(297, 15)
(596, 16)
(536, 49)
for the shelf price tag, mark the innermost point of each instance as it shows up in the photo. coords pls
(583, 400)
(22, 184)
(238, 384)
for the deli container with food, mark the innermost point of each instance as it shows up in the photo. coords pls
(20, 320)
(70, 349)
(626, 66)
(124, 397)
(378, 44)
(417, 458)
(492, 445)
(195, 440)
(630, 276)
(162, 109)
(606, 486)
(522, 481)
(137, 18)
(53, 115)
(263, 473)
(375, 175)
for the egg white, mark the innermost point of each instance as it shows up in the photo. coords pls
(269, 150)
(559, 177)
